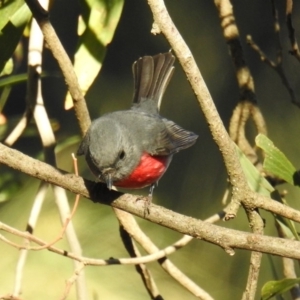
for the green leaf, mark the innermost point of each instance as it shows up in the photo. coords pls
(14, 16)
(7, 9)
(262, 186)
(287, 227)
(8, 68)
(19, 78)
(275, 162)
(96, 29)
(255, 180)
(273, 288)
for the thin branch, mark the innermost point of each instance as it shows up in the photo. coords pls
(158, 255)
(165, 262)
(278, 64)
(288, 264)
(144, 272)
(241, 190)
(18, 130)
(231, 35)
(63, 229)
(33, 97)
(72, 279)
(64, 62)
(35, 103)
(295, 48)
(98, 192)
(38, 201)
(289, 272)
(247, 107)
(257, 226)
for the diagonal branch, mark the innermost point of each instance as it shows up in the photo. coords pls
(59, 53)
(241, 191)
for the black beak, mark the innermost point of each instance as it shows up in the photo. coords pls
(107, 175)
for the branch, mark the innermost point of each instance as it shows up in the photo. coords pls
(141, 268)
(247, 107)
(159, 254)
(98, 192)
(257, 226)
(278, 64)
(241, 190)
(64, 62)
(140, 237)
(295, 47)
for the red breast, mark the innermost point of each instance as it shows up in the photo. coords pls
(149, 170)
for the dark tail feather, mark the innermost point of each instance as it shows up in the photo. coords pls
(151, 76)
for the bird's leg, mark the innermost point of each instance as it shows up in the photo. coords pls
(149, 198)
(151, 191)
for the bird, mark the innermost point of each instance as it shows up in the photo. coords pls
(133, 148)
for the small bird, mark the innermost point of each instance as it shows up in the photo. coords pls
(133, 148)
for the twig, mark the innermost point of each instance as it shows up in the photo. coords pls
(295, 48)
(67, 219)
(247, 107)
(157, 255)
(278, 64)
(33, 95)
(288, 265)
(144, 272)
(231, 35)
(35, 211)
(19, 128)
(64, 62)
(36, 104)
(237, 126)
(257, 226)
(165, 262)
(71, 280)
(289, 272)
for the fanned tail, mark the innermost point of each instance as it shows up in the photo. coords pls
(151, 77)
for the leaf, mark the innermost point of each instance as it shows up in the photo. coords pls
(14, 16)
(261, 185)
(255, 180)
(287, 227)
(19, 78)
(8, 68)
(96, 29)
(275, 162)
(273, 288)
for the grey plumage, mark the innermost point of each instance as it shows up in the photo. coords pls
(115, 142)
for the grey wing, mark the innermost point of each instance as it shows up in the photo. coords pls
(173, 139)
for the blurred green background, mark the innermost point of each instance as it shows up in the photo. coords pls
(195, 181)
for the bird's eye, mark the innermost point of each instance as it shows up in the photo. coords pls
(122, 154)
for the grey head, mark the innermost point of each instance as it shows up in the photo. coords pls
(109, 151)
